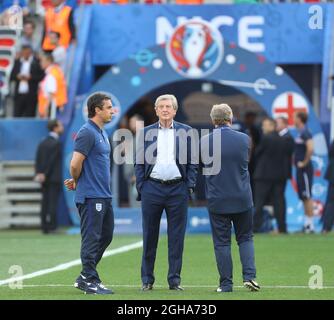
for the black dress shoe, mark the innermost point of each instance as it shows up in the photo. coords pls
(176, 287)
(147, 287)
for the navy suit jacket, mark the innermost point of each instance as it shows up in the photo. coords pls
(49, 160)
(329, 175)
(146, 153)
(227, 190)
(271, 158)
(289, 145)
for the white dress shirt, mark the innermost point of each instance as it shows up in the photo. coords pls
(49, 83)
(59, 57)
(25, 71)
(54, 135)
(283, 132)
(165, 167)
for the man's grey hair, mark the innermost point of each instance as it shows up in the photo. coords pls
(167, 97)
(221, 114)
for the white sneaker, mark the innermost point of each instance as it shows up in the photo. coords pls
(308, 229)
(252, 285)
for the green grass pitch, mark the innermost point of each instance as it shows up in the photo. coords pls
(283, 268)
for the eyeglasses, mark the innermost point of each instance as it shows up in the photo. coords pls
(167, 106)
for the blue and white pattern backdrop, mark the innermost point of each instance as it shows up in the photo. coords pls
(196, 50)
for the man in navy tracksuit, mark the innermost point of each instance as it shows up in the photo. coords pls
(304, 147)
(229, 196)
(165, 178)
(90, 171)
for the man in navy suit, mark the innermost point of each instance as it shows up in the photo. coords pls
(49, 174)
(225, 156)
(165, 177)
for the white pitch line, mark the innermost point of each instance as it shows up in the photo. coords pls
(72, 263)
(185, 286)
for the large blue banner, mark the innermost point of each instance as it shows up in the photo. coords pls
(283, 33)
(19, 138)
(196, 51)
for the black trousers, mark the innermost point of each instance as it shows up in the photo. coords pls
(25, 105)
(266, 190)
(50, 195)
(329, 209)
(97, 229)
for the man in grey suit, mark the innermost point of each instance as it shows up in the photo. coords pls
(229, 196)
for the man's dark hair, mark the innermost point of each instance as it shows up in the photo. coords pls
(28, 21)
(26, 46)
(96, 101)
(52, 124)
(284, 119)
(56, 33)
(48, 56)
(250, 114)
(271, 120)
(302, 116)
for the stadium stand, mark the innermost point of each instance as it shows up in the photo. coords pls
(20, 196)
(8, 40)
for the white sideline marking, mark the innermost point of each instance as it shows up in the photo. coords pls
(72, 263)
(185, 286)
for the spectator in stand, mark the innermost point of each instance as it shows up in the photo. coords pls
(52, 95)
(7, 10)
(59, 52)
(26, 74)
(59, 18)
(27, 37)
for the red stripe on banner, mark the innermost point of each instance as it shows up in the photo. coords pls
(85, 1)
(7, 42)
(46, 4)
(4, 63)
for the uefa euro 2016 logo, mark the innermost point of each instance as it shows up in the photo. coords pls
(195, 49)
